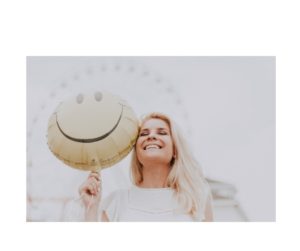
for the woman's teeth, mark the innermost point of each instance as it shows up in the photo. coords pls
(152, 147)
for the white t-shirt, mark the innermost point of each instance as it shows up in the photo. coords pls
(145, 204)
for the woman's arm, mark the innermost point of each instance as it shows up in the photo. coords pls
(90, 192)
(92, 215)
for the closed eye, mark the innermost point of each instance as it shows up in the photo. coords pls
(162, 133)
(144, 133)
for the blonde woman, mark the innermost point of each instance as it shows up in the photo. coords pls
(168, 184)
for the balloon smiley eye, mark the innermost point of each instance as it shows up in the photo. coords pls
(98, 96)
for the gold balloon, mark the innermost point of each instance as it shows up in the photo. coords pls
(92, 131)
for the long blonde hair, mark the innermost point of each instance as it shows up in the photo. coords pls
(185, 176)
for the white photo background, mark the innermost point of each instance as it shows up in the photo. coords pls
(224, 105)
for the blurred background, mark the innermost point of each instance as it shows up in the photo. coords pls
(224, 105)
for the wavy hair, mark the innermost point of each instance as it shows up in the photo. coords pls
(185, 176)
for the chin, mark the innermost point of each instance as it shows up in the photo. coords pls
(158, 158)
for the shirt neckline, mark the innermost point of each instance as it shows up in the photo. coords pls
(152, 189)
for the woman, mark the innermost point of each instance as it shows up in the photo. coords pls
(168, 182)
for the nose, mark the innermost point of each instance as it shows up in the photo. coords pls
(151, 136)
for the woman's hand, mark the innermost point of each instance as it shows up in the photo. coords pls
(90, 191)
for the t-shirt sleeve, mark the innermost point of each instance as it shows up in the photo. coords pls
(111, 205)
(207, 200)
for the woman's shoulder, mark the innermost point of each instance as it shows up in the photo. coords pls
(113, 203)
(117, 194)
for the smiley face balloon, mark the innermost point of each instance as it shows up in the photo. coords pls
(92, 131)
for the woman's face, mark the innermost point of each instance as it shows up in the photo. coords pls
(154, 144)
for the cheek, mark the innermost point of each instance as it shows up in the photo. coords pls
(138, 147)
(138, 144)
(170, 145)
(169, 149)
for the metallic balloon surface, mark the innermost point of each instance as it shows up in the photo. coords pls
(92, 131)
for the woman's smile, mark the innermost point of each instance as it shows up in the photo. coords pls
(152, 146)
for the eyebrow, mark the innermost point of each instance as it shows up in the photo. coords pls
(162, 128)
(159, 129)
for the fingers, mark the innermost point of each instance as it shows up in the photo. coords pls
(95, 179)
(95, 175)
(94, 183)
(92, 186)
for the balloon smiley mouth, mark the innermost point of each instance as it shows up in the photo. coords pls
(92, 140)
